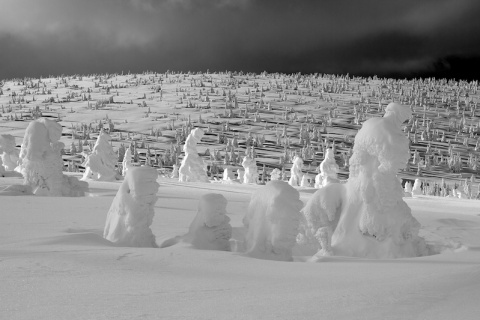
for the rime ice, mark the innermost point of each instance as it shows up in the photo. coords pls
(100, 164)
(211, 230)
(41, 161)
(250, 174)
(272, 221)
(9, 154)
(192, 167)
(131, 213)
(367, 217)
(296, 172)
(329, 169)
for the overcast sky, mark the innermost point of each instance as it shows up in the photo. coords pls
(383, 37)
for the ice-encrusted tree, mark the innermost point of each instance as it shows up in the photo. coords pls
(272, 221)
(9, 154)
(192, 167)
(100, 164)
(210, 229)
(132, 210)
(367, 217)
(41, 161)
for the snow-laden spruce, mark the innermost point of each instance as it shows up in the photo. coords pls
(100, 164)
(192, 167)
(210, 229)
(8, 153)
(250, 174)
(329, 169)
(41, 161)
(296, 172)
(272, 221)
(367, 217)
(131, 213)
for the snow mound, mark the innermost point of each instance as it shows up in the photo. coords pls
(272, 221)
(211, 229)
(131, 213)
(41, 161)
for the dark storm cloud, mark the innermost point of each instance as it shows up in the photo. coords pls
(365, 37)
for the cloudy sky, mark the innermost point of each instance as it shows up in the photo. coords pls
(402, 38)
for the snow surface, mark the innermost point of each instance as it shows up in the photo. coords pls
(131, 213)
(55, 264)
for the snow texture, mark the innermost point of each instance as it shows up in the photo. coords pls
(210, 229)
(100, 164)
(192, 168)
(272, 221)
(251, 174)
(41, 161)
(367, 217)
(131, 213)
(296, 172)
(9, 154)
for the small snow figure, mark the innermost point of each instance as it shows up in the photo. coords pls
(408, 189)
(227, 174)
(417, 188)
(100, 164)
(296, 172)
(175, 173)
(131, 213)
(272, 221)
(276, 174)
(250, 175)
(329, 169)
(192, 167)
(211, 229)
(318, 181)
(9, 154)
(127, 161)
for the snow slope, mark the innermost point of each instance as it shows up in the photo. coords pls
(54, 264)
